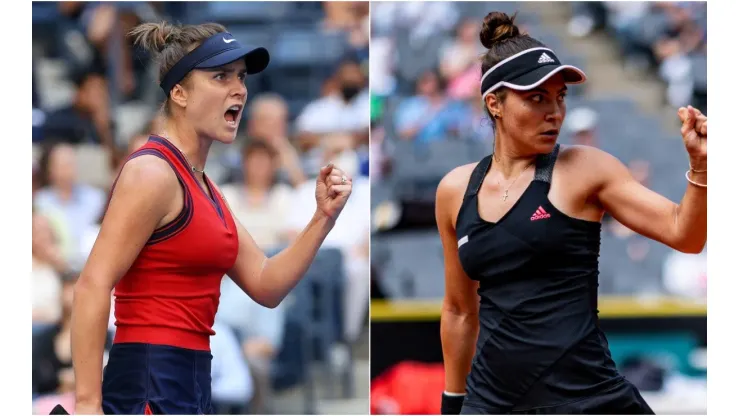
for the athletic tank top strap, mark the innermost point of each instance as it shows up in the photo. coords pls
(545, 165)
(478, 175)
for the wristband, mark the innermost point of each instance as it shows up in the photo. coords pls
(452, 403)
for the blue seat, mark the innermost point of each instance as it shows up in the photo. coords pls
(226, 12)
(292, 364)
(251, 36)
(308, 48)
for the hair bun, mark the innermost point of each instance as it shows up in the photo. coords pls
(497, 27)
(154, 37)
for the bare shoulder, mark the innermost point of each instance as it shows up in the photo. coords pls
(451, 190)
(456, 181)
(147, 176)
(591, 168)
(586, 157)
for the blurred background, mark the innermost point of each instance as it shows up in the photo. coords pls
(644, 60)
(95, 100)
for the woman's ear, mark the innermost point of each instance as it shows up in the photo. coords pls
(493, 105)
(179, 95)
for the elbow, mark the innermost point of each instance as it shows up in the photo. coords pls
(89, 288)
(692, 247)
(460, 313)
(269, 301)
(690, 244)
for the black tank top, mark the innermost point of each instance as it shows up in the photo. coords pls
(539, 342)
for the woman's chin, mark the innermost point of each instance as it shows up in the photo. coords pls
(226, 138)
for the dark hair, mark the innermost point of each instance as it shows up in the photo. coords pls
(169, 43)
(503, 39)
(257, 145)
(47, 149)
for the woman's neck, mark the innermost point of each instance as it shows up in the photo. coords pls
(509, 160)
(187, 141)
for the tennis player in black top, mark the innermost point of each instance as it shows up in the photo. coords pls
(522, 228)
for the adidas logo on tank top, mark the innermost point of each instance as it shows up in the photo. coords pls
(540, 214)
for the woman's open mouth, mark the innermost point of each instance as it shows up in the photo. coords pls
(232, 114)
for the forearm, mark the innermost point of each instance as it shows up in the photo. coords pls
(458, 332)
(89, 328)
(283, 271)
(691, 215)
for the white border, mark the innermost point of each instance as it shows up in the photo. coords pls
(540, 81)
(512, 57)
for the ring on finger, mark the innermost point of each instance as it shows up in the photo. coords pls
(344, 179)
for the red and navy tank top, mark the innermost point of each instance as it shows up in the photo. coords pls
(170, 294)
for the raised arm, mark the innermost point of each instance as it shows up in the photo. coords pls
(268, 280)
(145, 195)
(459, 315)
(683, 226)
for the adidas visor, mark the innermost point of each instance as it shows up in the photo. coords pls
(218, 50)
(526, 70)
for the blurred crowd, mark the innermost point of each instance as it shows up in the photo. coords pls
(669, 37)
(427, 118)
(93, 105)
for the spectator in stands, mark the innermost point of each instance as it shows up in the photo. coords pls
(258, 201)
(100, 23)
(427, 116)
(352, 18)
(421, 19)
(346, 109)
(350, 233)
(35, 179)
(231, 381)
(581, 124)
(76, 205)
(674, 48)
(459, 61)
(474, 123)
(268, 122)
(379, 160)
(51, 368)
(47, 264)
(260, 332)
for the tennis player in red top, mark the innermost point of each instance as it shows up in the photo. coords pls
(168, 238)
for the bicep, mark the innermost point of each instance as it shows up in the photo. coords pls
(142, 197)
(637, 207)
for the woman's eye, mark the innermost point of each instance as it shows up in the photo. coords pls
(219, 76)
(537, 98)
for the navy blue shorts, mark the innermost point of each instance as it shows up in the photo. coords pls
(621, 399)
(157, 379)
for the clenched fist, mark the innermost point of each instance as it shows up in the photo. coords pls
(333, 188)
(694, 132)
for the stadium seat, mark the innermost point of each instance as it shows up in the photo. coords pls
(242, 12)
(412, 264)
(292, 364)
(308, 48)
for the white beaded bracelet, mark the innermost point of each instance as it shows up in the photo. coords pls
(692, 182)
